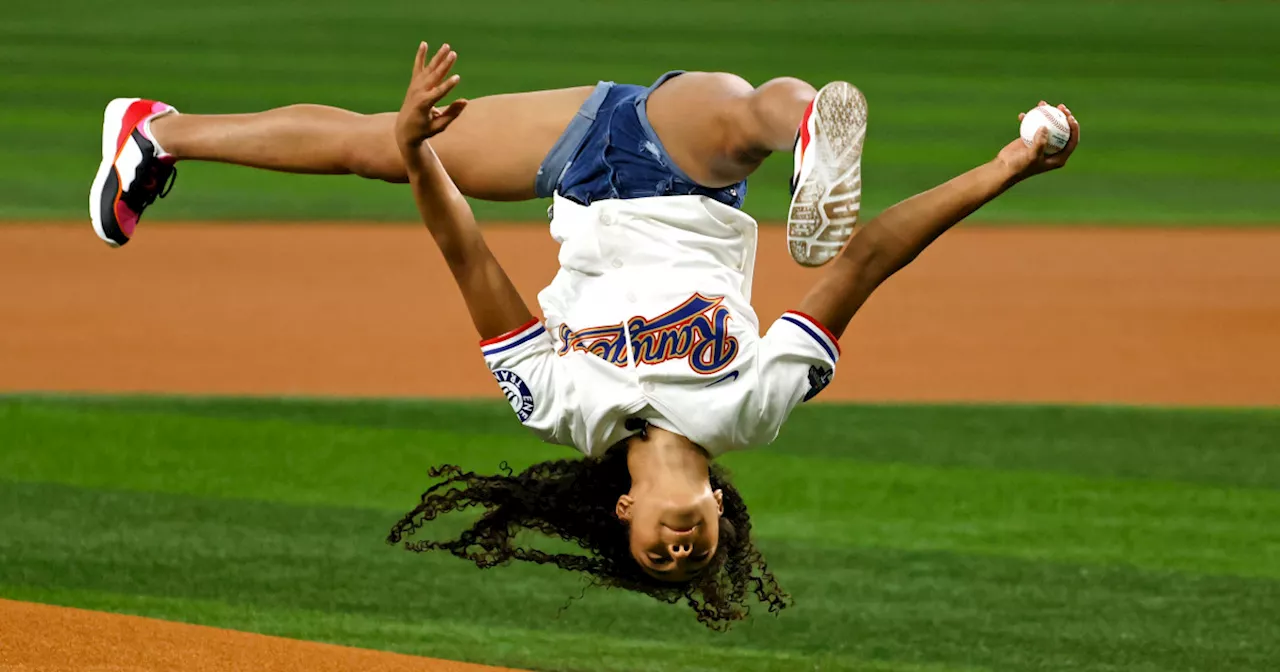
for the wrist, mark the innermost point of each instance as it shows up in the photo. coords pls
(412, 150)
(408, 146)
(1006, 174)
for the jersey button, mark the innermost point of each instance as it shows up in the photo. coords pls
(647, 387)
(631, 297)
(617, 263)
(606, 220)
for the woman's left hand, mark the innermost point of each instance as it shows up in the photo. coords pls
(419, 118)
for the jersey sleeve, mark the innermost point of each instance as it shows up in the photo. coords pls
(524, 363)
(797, 361)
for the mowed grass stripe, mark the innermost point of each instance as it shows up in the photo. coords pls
(1174, 96)
(1155, 525)
(807, 497)
(1230, 447)
(322, 572)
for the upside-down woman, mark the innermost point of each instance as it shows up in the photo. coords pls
(648, 358)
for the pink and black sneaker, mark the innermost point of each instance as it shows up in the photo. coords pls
(826, 188)
(134, 170)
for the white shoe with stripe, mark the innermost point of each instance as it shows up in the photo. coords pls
(826, 188)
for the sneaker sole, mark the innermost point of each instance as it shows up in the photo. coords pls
(112, 117)
(824, 209)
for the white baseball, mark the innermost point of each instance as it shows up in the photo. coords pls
(1048, 117)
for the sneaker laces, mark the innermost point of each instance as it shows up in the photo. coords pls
(168, 183)
(154, 179)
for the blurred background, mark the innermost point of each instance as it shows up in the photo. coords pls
(1054, 441)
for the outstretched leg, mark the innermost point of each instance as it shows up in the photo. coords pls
(492, 152)
(717, 127)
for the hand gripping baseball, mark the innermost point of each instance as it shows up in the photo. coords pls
(419, 118)
(1026, 160)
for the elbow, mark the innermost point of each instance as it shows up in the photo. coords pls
(457, 254)
(875, 254)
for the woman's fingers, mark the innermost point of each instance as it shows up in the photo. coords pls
(446, 116)
(1060, 159)
(420, 58)
(431, 82)
(1040, 143)
(1075, 133)
(441, 71)
(439, 57)
(435, 93)
(429, 73)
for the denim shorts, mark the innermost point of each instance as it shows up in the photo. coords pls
(609, 150)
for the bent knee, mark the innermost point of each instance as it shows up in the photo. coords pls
(376, 164)
(769, 116)
(371, 151)
(792, 86)
(779, 98)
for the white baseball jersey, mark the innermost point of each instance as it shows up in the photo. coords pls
(650, 317)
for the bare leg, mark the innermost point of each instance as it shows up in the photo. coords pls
(492, 151)
(718, 128)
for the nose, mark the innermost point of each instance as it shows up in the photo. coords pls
(681, 550)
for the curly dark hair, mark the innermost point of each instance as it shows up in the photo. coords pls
(575, 500)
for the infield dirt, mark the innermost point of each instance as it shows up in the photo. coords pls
(986, 314)
(42, 638)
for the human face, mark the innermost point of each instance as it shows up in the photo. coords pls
(673, 535)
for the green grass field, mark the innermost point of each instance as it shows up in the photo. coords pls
(1176, 97)
(913, 538)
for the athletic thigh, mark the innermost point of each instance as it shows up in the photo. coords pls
(698, 117)
(494, 148)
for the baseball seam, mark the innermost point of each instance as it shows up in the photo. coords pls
(1052, 119)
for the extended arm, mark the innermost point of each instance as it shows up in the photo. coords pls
(491, 298)
(890, 241)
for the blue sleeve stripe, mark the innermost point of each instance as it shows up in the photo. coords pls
(520, 340)
(816, 336)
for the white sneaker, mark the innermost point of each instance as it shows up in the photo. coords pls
(826, 188)
(134, 171)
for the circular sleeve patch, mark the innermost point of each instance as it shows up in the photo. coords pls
(517, 393)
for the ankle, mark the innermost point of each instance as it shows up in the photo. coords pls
(160, 130)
